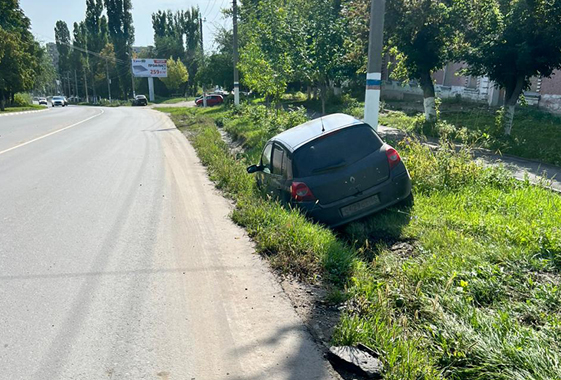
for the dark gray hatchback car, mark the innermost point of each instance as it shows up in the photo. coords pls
(336, 169)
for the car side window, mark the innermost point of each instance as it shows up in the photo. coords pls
(266, 158)
(278, 156)
(286, 167)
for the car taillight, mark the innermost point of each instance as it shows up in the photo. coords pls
(393, 157)
(301, 192)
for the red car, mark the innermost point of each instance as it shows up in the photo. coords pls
(211, 100)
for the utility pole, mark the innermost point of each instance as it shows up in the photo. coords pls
(132, 82)
(236, 74)
(108, 80)
(86, 86)
(76, 85)
(68, 83)
(374, 72)
(201, 32)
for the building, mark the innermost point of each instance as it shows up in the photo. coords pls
(450, 82)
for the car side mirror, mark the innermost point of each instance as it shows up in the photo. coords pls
(254, 168)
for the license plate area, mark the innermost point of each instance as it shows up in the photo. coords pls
(362, 205)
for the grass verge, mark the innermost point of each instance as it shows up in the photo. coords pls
(33, 107)
(535, 133)
(472, 290)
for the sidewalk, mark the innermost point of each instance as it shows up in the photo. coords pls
(520, 167)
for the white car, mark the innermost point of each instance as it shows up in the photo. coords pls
(59, 101)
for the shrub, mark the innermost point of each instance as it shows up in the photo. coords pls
(22, 100)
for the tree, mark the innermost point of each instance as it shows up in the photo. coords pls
(80, 62)
(512, 41)
(260, 75)
(96, 25)
(121, 33)
(267, 50)
(177, 75)
(97, 39)
(321, 59)
(20, 54)
(216, 69)
(108, 66)
(62, 38)
(168, 34)
(45, 83)
(422, 34)
(178, 35)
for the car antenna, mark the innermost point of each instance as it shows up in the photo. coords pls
(322, 126)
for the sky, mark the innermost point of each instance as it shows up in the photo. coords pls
(44, 15)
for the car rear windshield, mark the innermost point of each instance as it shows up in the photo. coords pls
(335, 150)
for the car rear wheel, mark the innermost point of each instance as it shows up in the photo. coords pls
(407, 202)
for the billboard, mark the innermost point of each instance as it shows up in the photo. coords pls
(150, 68)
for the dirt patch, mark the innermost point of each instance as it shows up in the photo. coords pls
(403, 250)
(311, 303)
(235, 146)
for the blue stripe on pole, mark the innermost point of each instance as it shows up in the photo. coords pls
(373, 82)
(236, 85)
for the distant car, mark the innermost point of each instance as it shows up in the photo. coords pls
(58, 101)
(221, 92)
(211, 100)
(43, 101)
(65, 101)
(140, 100)
(336, 169)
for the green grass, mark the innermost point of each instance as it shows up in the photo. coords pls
(535, 134)
(172, 100)
(475, 297)
(33, 107)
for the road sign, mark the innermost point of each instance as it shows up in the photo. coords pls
(150, 68)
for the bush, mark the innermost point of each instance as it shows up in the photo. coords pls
(22, 100)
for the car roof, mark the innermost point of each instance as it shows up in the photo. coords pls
(295, 137)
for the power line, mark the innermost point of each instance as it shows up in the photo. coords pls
(219, 9)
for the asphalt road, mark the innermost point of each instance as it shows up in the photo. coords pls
(118, 260)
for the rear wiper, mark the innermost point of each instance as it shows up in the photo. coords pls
(330, 167)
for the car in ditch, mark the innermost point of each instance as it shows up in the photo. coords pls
(336, 169)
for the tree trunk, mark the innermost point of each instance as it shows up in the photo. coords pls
(309, 92)
(323, 94)
(511, 98)
(93, 86)
(2, 100)
(427, 85)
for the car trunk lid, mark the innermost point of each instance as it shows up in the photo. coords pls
(342, 164)
(351, 180)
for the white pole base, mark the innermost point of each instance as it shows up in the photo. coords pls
(372, 99)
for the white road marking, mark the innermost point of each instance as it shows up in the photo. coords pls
(21, 113)
(51, 133)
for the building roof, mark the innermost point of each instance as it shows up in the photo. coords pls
(295, 137)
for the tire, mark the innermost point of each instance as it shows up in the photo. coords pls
(408, 202)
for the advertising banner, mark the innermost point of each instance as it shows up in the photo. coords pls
(150, 68)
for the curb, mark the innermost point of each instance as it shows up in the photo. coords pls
(22, 113)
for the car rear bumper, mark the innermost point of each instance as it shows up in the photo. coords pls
(394, 190)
